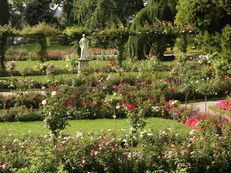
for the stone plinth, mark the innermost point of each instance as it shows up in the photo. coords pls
(83, 63)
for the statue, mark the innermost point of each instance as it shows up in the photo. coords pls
(83, 43)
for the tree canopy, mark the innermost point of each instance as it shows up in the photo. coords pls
(156, 20)
(39, 11)
(155, 12)
(105, 13)
(207, 15)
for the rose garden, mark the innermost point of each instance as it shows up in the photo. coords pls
(134, 106)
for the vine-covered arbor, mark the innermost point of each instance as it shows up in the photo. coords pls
(122, 37)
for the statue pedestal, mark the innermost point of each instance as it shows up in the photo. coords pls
(83, 63)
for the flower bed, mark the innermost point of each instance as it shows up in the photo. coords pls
(91, 98)
(225, 104)
(102, 152)
(87, 97)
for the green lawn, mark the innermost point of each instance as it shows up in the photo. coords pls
(43, 78)
(95, 64)
(20, 65)
(38, 127)
(33, 47)
(219, 111)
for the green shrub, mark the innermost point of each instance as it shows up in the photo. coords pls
(54, 113)
(41, 32)
(11, 66)
(165, 151)
(209, 43)
(150, 65)
(222, 68)
(28, 100)
(226, 42)
(20, 113)
(12, 55)
(181, 44)
(5, 32)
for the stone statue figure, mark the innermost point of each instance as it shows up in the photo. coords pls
(83, 43)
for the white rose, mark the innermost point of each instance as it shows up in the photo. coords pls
(44, 102)
(108, 78)
(117, 107)
(192, 133)
(54, 93)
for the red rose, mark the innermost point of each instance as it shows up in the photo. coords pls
(130, 107)
(192, 122)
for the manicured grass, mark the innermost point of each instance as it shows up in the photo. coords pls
(219, 111)
(191, 50)
(96, 64)
(20, 65)
(38, 127)
(34, 47)
(43, 78)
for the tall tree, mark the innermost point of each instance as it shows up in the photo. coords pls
(4, 20)
(39, 11)
(16, 9)
(209, 15)
(155, 12)
(67, 10)
(4, 12)
(104, 13)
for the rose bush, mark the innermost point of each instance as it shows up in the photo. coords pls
(166, 151)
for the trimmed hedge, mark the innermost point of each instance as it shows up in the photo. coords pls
(20, 113)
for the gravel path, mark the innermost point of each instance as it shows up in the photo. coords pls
(201, 105)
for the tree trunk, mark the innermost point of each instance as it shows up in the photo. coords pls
(3, 42)
(42, 53)
(186, 99)
(206, 104)
(4, 12)
(4, 19)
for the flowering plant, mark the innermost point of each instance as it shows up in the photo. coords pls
(136, 118)
(11, 65)
(214, 124)
(225, 104)
(54, 113)
(112, 101)
(194, 121)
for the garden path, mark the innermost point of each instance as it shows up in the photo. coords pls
(201, 107)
